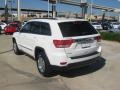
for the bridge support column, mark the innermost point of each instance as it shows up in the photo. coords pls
(53, 10)
(84, 7)
(6, 11)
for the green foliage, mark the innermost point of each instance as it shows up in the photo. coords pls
(110, 36)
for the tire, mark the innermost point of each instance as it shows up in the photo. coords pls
(6, 33)
(15, 48)
(43, 64)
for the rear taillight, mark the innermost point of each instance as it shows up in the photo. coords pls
(63, 43)
(98, 38)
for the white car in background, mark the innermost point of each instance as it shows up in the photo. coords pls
(115, 25)
(3, 25)
(97, 25)
(115, 30)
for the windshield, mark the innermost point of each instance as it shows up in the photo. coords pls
(76, 28)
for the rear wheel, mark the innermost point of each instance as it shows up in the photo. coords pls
(42, 64)
(15, 48)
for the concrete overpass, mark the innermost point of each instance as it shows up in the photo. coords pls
(84, 6)
(27, 10)
(88, 5)
(75, 3)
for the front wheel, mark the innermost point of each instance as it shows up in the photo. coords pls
(16, 49)
(43, 65)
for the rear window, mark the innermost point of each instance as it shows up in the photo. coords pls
(76, 28)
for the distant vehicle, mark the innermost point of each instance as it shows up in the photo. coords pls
(11, 28)
(106, 26)
(97, 25)
(3, 25)
(115, 25)
(115, 30)
(17, 22)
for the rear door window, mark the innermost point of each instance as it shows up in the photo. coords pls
(45, 29)
(35, 28)
(76, 28)
(40, 28)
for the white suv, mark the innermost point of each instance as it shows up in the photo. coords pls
(63, 43)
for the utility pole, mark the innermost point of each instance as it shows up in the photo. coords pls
(18, 10)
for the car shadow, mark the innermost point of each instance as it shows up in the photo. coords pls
(99, 64)
(83, 70)
(7, 51)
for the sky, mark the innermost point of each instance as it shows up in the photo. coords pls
(39, 4)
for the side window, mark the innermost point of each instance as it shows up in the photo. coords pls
(26, 28)
(45, 29)
(35, 28)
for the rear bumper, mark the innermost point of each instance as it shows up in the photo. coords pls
(76, 65)
(9, 31)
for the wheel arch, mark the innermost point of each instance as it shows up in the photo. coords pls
(38, 49)
(48, 66)
(13, 39)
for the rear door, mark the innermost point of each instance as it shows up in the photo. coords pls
(83, 35)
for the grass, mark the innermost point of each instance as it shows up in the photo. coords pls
(110, 36)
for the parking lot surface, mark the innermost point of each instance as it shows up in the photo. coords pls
(20, 72)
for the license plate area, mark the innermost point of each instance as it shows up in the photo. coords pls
(85, 43)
